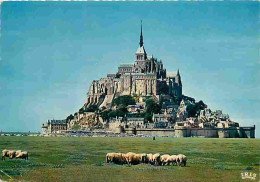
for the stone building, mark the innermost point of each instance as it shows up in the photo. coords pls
(182, 113)
(115, 125)
(135, 109)
(145, 77)
(54, 126)
(161, 120)
(135, 122)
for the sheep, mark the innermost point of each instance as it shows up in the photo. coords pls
(17, 152)
(5, 153)
(141, 158)
(156, 159)
(172, 159)
(133, 158)
(144, 157)
(149, 159)
(130, 158)
(181, 159)
(117, 158)
(109, 157)
(22, 155)
(12, 154)
(163, 159)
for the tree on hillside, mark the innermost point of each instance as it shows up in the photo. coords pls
(70, 117)
(170, 98)
(149, 101)
(116, 113)
(191, 109)
(148, 117)
(81, 110)
(105, 114)
(91, 108)
(123, 101)
(194, 109)
(145, 98)
(201, 105)
(151, 107)
(190, 99)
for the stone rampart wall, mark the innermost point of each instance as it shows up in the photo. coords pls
(240, 132)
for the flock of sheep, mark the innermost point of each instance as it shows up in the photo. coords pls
(120, 158)
(14, 154)
(154, 159)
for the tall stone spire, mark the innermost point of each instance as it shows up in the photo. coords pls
(141, 53)
(178, 72)
(178, 77)
(141, 36)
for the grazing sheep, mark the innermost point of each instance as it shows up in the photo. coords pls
(22, 155)
(172, 159)
(5, 153)
(117, 158)
(164, 159)
(144, 157)
(156, 159)
(12, 154)
(149, 159)
(133, 158)
(109, 157)
(17, 152)
(130, 158)
(181, 159)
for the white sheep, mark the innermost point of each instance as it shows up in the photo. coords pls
(22, 155)
(181, 159)
(172, 160)
(5, 153)
(164, 158)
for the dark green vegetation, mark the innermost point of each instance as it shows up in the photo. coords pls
(195, 108)
(120, 104)
(151, 107)
(70, 117)
(123, 101)
(91, 108)
(83, 159)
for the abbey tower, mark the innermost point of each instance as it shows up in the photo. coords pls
(145, 77)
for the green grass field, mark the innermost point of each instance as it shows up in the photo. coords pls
(83, 159)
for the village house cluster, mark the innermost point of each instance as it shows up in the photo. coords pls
(174, 116)
(170, 117)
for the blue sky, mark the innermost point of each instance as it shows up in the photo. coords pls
(51, 51)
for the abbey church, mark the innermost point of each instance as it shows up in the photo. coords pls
(145, 77)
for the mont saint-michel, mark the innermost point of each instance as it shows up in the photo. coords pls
(145, 98)
(129, 91)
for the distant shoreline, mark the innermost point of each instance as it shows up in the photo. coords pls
(13, 132)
